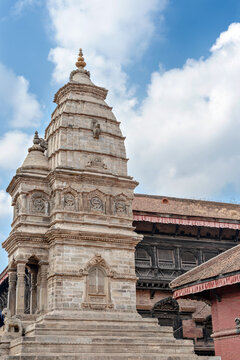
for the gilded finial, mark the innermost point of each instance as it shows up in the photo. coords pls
(80, 61)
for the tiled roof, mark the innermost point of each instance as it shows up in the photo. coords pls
(3, 275)
(185, 207)
(225, 263)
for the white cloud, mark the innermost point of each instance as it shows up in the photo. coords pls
(111, 33)
(5, 205)
(184, 140)
(13, 149)
(18, 105)
(20, 5)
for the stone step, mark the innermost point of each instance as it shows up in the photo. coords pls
(110, 356)
(99, 339)
(102, 348)
(103, 325)
(44, 330)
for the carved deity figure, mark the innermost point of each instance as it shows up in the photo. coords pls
(96, 129)
(69, 200)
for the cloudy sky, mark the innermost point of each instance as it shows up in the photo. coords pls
(172, 68)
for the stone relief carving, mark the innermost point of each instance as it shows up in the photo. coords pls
(96, 162)
(69, 201)
(120, 205)
(166, 304)
(97, 260)
(96, 204)
(39, 203)
(96, 129)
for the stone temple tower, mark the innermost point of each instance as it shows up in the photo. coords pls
(72, 282)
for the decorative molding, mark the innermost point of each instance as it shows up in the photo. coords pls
(166, 304)
(97, 260)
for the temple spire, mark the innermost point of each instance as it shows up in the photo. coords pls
(80, 61)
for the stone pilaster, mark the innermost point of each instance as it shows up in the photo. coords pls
(43, 286)
(12, 278)
(20, 289)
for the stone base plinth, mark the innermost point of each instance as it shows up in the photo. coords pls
(92, 335)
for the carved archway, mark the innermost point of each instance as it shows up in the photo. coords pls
(167, 313)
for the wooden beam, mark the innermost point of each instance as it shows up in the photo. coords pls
(154, 227)
(236, 235)
(220, 233)
(198, 232)
(176, 230)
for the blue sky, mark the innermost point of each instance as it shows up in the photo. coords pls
(172, 69)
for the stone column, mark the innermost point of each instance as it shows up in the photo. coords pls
(12, 278)
(20, 288)
(43, 286)
(33, 296)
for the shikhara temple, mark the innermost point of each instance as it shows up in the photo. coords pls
(90, 262)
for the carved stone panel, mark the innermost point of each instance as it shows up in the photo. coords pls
(96, 202)
(69, 201)
(96, 163)
(39, 203)
(120, 206)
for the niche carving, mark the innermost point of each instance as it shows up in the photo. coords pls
(97, 284)
(120, 205)
(97, 202)
(39, 203)
(70, 200)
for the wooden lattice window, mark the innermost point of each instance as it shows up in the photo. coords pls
(142, 258)
(208, 255)
(188, 259)
(165, 258)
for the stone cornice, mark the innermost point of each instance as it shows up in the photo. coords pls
(16, 237)
(61, 235)
(70, 275)
(94, 90)
(85, 176)
(18, 178)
